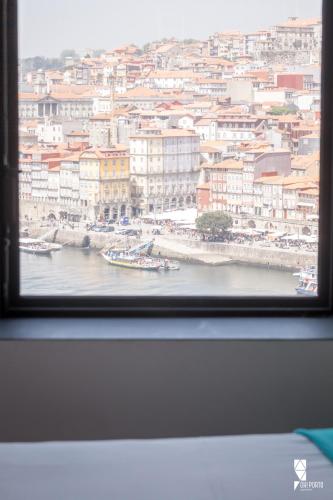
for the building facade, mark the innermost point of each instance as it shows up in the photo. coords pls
(164, 167)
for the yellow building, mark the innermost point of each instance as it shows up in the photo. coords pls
(104, 182)
(115, 197)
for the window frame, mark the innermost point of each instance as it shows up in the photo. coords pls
(12, 304)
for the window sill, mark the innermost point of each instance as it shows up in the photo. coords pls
(314, 328)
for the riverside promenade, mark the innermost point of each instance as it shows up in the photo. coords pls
(226, 253)
(190, 250)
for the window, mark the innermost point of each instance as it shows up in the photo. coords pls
(257, 248)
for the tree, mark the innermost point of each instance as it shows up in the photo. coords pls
(283, 110)
(68, 53)
(213, 223)
(189, 41)
(39, 62)
(98, 52)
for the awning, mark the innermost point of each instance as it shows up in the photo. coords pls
(305, 204)
(186, 216)
(246, 231)
(291, 237)
(308, 239)
(313, 217)
(277, 234)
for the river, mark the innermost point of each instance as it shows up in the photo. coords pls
(78, 272)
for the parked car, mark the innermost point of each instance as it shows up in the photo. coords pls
(124, 221)
(216, 238)
(133, 232)
(98, 228)
(129, 232)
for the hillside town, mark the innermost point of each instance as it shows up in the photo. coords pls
(231, 124)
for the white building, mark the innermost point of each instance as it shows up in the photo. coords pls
(50, 132)
(39, 180)
(164, 168)
(90, 182)
(25, 168)
(70, 106)
(226, 186)
(69, 182)
(53, 184)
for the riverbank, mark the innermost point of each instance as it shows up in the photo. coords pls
(226, 253)
(191, 251)
(76, 272)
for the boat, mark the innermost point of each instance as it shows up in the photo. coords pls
(55, 247)
(131, 261)
(308, 288)
(169, 265)
(307, 273)
(37, 247)
(144, 248)
(51, 235)
(24, 232)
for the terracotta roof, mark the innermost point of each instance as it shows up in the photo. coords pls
(300, 23)
(166, 133)
(140, 92)
(208, 149)
(103, 153)
(227, 164)
(77, 133)
(173, 74)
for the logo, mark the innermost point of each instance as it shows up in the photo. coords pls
(300, 468)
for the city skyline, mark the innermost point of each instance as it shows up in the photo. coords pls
(154, 20)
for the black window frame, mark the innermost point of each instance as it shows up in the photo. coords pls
(12, 304)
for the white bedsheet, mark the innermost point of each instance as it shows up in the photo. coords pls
(217, 468)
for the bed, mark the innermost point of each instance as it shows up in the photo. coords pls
(256, 467)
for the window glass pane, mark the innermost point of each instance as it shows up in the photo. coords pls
(169, 149)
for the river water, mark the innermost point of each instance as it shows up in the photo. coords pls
(78, 272)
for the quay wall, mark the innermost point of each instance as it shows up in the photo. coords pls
(75, 238)
(272, 257)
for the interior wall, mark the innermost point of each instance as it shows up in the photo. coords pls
(68, 390)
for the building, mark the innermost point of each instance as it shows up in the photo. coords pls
(287, 204)
(53, 181)
(309, 144)
(104, 183)
(298, 40)
(203, 194)
(69, 186)
(164, 167)
(115, 195)
(50, 131)
(67, 105)
(226, 186)
(25, 172)
(295, 81)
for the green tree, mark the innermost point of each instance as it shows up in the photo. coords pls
(98, 52)
(189, 41)
(39, 62)
(68, 53)
(282, 110)
(213, 223)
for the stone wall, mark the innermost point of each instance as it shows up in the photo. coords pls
(274, 257)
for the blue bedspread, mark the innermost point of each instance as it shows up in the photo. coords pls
(323, 438)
